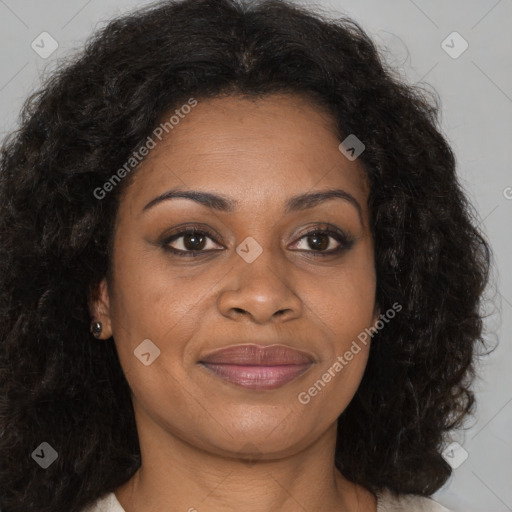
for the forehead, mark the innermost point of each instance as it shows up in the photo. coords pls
(276, 145)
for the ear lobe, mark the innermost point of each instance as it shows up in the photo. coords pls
(99, 308)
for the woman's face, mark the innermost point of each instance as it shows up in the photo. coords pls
(257, 276)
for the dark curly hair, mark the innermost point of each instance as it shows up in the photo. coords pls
(58, 385)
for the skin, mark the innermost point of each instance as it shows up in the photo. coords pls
(208, 444)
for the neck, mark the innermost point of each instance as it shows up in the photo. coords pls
(175, 475)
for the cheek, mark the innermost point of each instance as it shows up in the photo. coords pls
(344, 311)
(343, 308)
(154, 300)
(148, 292)
(345, 299)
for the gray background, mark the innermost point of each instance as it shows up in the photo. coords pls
(476, 99)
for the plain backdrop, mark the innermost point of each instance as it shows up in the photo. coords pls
(472, 72)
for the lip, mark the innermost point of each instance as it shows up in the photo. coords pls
(257, 355)
(255, 367)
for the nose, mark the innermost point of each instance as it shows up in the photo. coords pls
(262, 291)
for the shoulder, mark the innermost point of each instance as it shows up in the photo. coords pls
(107, 503)
(387, 502)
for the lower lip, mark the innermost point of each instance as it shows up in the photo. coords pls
(257, 377)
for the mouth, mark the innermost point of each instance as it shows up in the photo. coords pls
(254, 367)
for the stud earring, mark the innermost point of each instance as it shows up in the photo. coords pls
(96, 328)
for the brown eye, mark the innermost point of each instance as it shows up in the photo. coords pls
(189, 242)
(194, 241)
(319, 241)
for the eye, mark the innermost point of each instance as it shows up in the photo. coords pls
(194, 242)
(320, 240)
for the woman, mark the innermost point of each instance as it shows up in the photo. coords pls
(239, 273)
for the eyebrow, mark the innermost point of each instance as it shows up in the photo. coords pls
(226, 204)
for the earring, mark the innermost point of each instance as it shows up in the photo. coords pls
(96, 328)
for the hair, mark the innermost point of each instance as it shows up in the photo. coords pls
(60, 386)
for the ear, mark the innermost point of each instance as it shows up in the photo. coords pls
(99, 308)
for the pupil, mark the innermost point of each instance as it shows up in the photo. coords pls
(315, 244)
(196, 241)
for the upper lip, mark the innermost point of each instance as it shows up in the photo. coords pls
(257, 355)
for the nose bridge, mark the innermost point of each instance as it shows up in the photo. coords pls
(261, 286)
(260, 263)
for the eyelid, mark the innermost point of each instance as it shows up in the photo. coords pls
(323, 227)
(186, 228)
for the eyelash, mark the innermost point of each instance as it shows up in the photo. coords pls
(340, 236)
